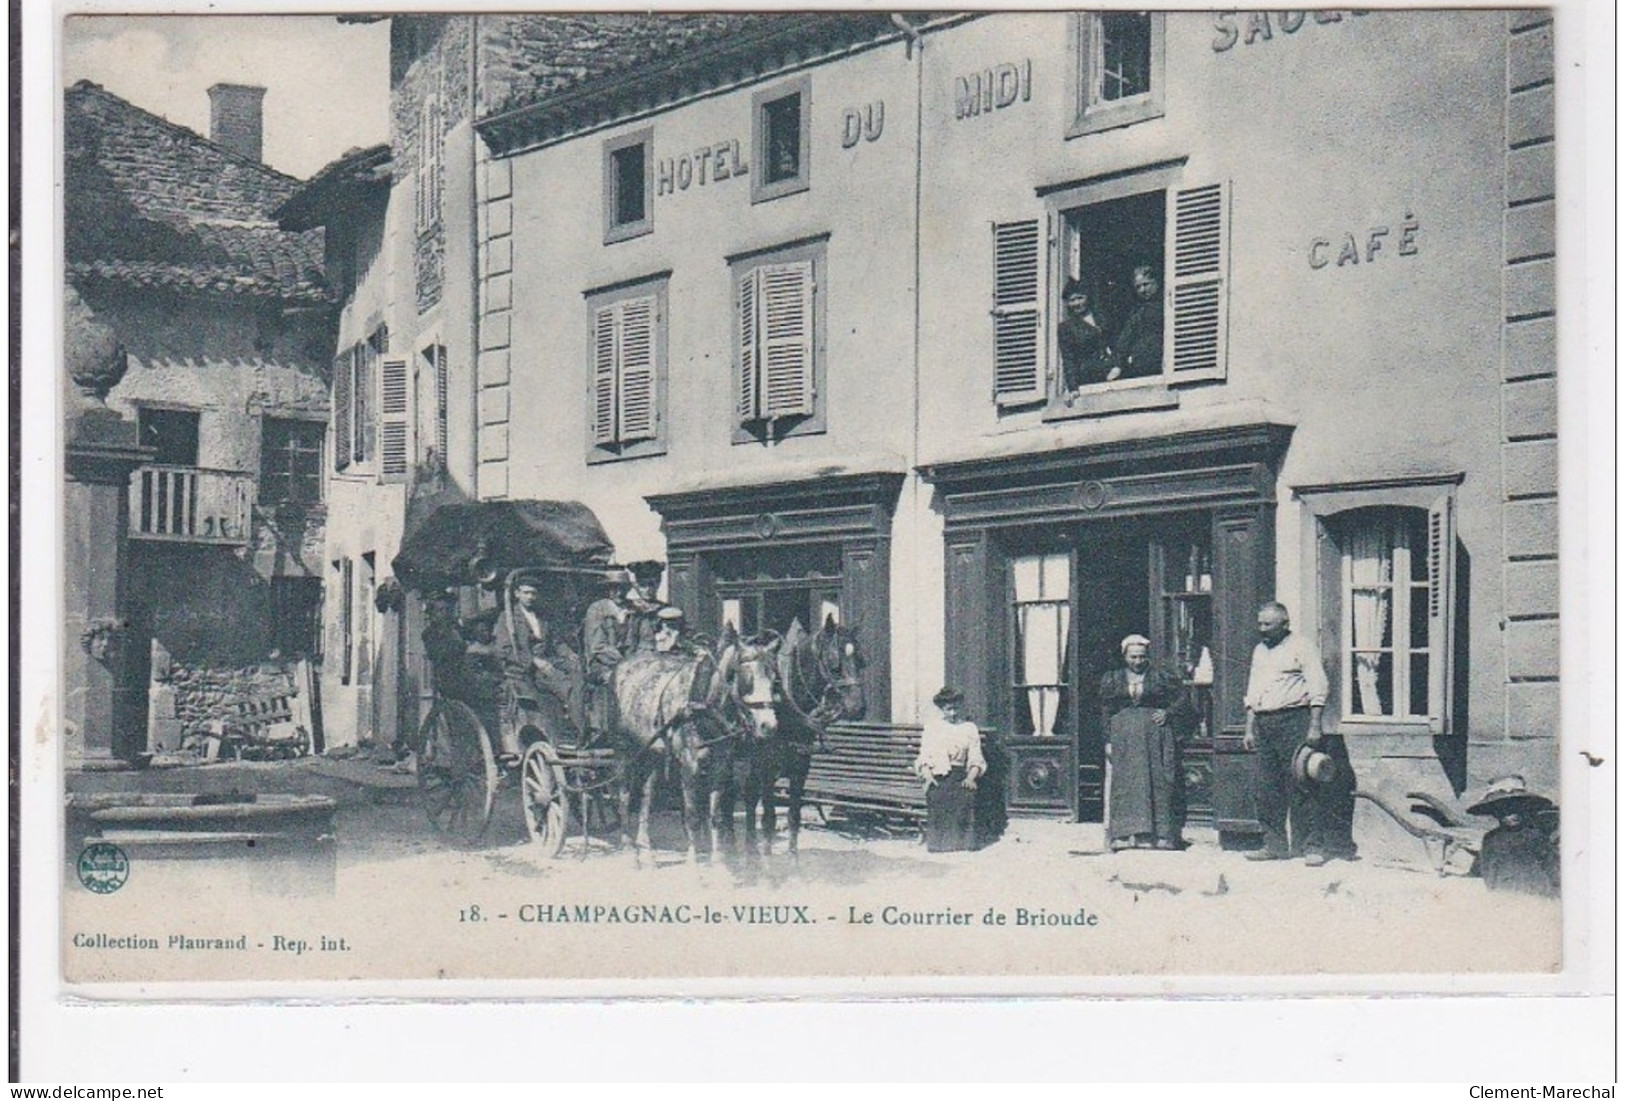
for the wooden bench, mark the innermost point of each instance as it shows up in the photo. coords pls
(868, 768)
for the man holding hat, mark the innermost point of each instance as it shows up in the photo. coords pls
(1286, 693)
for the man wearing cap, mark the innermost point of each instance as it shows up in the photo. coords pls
(1286, 692)
(525, 640)
(643, 606)
(669, 627)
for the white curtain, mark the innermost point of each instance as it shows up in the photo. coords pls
(1042, 586)
(1371, 575)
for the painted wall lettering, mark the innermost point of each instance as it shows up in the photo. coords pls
(864, 123)
(1366, 247)
(1250, 27)
(707, 164)
(993, 89)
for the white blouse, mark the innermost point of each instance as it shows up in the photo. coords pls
(943, 745)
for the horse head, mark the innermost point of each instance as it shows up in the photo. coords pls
(840, 667)
(751, 670)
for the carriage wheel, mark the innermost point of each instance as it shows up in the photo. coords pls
(457, 773)
(542, 796)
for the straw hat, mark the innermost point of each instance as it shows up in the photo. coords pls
(1509, 795)
(1311, 766)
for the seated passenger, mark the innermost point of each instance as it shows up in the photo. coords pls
(531, 653)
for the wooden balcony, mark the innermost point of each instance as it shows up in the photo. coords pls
(188, 504)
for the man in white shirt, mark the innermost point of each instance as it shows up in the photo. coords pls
(1286, 693)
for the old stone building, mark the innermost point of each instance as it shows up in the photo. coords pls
(171, 244)
(782, 299)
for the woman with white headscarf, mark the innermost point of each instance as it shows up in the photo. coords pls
(1142, 711)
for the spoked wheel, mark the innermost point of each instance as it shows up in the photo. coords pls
(542, 795)
(457, 773)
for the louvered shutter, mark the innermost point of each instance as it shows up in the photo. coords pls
(1441, 551)
(787, 336)
(637, 369)
(1018, 377)
(746, 381)
(343, 408)
(1198, 258)
(603, 374)
(393, 451)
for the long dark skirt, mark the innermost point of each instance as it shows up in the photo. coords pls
(950, 814)
(1145, 760)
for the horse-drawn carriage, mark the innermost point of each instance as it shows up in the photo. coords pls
(489, 728)
(711, 714)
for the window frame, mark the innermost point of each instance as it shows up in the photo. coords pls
(275, 421)
(1332, 511)
(1088, 115)
(1159, 391)
(657, 287)
(815, 252)
(614, 229)
(761, 189)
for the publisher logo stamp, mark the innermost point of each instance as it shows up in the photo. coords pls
(103, 867)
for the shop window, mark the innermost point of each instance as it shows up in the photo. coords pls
(628, 186)
(290, 462)
(171, 433)
(1388, 605)
(1138, 296)
(1041, 596)
(779, 343)
(627, 371)
(1117, 75)
(781, 140)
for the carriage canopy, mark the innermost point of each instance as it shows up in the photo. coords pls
(450, 542)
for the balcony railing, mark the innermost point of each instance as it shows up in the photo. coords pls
(189, 504)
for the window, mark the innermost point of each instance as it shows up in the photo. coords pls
(626, 364)
(290, 462)
(434, 357)
(171, 433)
(1138, 293)
(1118, 72)
(1041, 592)
(1387, 596)
(428, 181)
(628, 186)
(355, 374)
(296, 615)
(779, 343)
(780, 144)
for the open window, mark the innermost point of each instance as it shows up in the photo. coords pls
(780, 144)
(627, 371)
(1117, 72)
(628, 186)
(1131, 294)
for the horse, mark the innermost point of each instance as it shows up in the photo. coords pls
(817, 681)
(668, 716)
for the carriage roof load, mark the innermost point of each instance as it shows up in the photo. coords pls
(451, 541)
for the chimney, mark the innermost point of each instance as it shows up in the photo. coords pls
(236, 119)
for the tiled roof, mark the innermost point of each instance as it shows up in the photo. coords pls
(547, 74)
(150, 203)
(328, 194)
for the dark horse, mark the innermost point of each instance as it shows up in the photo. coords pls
(817, 681)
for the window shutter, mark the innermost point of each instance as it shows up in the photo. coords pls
(637, 370)
(746, 381)
(603, 374)
(441, 396)
(343, 408)
(361, 396)
(1441, 551)
(786, 353)
(1017, 374)
(393, 453)
(1199, 262)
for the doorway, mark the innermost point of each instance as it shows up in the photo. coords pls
(1113, 601)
